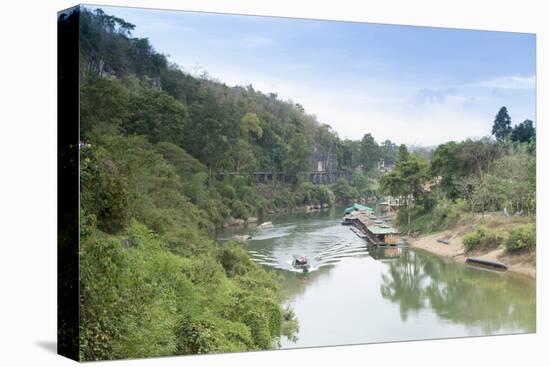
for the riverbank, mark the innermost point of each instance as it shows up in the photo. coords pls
(523, 263)
(252, 221)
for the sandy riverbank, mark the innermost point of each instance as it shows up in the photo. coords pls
(521, 264)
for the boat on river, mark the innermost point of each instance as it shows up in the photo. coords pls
(347, 220)
(486, 262)
(301, 262)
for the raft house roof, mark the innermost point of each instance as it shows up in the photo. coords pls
(374, 225)
(381, 230)
(358, 207)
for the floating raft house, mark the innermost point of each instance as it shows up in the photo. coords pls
(378, 232)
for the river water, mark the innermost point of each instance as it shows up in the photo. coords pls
(355, 294)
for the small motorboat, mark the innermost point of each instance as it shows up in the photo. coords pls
(485, 262)
(301, 262)
(347, 220)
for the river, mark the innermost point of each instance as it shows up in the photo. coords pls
(354, 294)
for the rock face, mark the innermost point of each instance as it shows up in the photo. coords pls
(265, 225)
(242, 238)
(252, 220)
(323, 164)
(235, 222)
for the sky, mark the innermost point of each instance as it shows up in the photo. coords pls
(413, 85)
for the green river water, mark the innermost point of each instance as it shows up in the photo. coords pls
(356, 294)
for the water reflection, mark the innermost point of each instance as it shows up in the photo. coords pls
(477, 298)
(402, 283)
(295, 284)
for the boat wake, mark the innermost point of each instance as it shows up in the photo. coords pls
(323, 247)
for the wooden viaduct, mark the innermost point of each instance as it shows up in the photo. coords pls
(315, 177)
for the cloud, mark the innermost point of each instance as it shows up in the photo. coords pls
(429, 124)
(428, 96)
(510, 82)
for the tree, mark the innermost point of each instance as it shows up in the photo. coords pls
(242, 150)
(413, 174)
(455, 163)
(298, 150)
(369, 153)
(392, 184)
(100, 113)
(502, 125)
(184, 162)
(389, 152)
(476, 156)
(402, 154)
(349, 152)
(244, 156)
(214, 130)
(445, 163)
(406, 180)
(524, 132)
(251, 126)
(104, 191)
(344, 192)
(361, 183)
(157, 116)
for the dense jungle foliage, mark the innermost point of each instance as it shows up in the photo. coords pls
(152, 282)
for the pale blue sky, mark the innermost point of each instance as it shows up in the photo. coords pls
(413, 85)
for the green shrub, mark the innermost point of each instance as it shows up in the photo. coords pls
(482, 238)
(184, 163)
(246, 194)
(199, 335)
(444, 215)
(234, 259)
(522, 238)
(428, 201)
(344, 192)
(217, 212)
(283, 199)
(226, 190)
(194, 187)
(316, 194)
(472, 240)
(441, 217)
(239, 209)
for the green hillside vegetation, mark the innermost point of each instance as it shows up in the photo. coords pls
(464, 181)
(152, 283)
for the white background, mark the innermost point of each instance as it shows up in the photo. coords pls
(28, 182)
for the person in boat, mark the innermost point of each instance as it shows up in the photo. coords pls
(302, 260)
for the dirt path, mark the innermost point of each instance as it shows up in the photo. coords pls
(521, 264)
